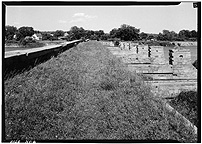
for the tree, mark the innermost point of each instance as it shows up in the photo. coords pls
(99, 33)
(19, 36)
(88, 33)
(143, 35)
(184, 34)
(47, 36)
(94, 37)
(193, 34)
(160, 37)
(150, 37)
(23, 32)
(173, 35)
(114, 33)
(125, 32)
(59, 33)
(76, 33)
(105, 37)
(128, 32)
(10, 32)
(167, 36)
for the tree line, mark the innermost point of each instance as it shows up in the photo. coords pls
(124, 32)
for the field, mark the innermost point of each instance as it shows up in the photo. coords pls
(86, 93)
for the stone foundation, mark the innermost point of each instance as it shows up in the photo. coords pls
(169, 78)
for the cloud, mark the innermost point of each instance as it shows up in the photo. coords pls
(90, 17)
(81, 17)
(78, 14)
(16, 23)
(62, 21)
(77, 20)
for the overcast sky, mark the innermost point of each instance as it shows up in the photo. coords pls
(150, 19)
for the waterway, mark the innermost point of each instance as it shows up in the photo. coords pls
(15, 48)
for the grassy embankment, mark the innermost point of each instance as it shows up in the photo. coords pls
(86, 93)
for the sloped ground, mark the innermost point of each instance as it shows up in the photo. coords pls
(186, 104)
(86, 93)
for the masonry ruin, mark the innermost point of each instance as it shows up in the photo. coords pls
(168, 77)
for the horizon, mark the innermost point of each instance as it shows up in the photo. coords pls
(149, 19)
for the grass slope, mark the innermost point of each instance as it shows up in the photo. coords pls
(86, 93)
(186, 104)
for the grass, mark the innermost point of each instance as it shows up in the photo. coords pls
(186, 104)
(86, 93)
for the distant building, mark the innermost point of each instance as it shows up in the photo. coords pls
(64, 37)
(66, 34)
(28, 38)
(37, 36)
(14, 37)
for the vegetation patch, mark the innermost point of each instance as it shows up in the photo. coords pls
(186, 104)
(86, 93)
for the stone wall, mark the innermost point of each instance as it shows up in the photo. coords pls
(168, 78)
(171, 88)
(108, 43)
(180, 56)
(180, 59)
(157, 54)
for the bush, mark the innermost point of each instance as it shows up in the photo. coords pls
(86, 93)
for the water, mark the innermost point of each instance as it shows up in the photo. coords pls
(193, 50)
(15, 48)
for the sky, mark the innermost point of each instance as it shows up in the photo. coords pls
(149, 19)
